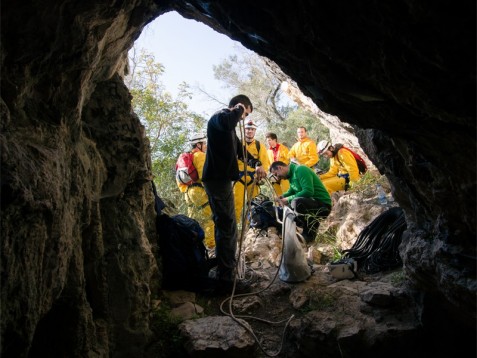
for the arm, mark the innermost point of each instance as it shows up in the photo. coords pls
(289, 193)
(283, 154)
(349, 164)
(312, 154)
(333, 171)
(292, 152)
(251, 161)
(263, 155)
(199, 161)
(305, 180)
(270, 156)
(227, 119)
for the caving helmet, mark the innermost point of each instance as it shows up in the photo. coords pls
(323, 146)
(198, 138)
(250, 124)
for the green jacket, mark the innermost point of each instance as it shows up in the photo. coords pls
(304, 183)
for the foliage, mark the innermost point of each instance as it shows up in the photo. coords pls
(168, 341)
(398, 278)
(286, 132)
(327, 237)
(320, 301)
(368, 183)
(167, 120)
(250, 75)
(298, 118)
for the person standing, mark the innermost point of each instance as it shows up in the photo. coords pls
(277, 152)
(247, 173)
(307, 196)
(343, 172)
(220, 171)
(304, 151)
(198, 207)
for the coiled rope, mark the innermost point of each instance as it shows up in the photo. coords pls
(377, 246)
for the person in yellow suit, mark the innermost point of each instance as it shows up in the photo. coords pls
(277, 152)
(304, 151)
(198, 207)
(247, 173)
(343, 172)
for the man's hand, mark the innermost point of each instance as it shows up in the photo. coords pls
(260, 173)
(282, 201)
(238, 105)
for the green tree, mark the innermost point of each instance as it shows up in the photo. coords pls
(286, 132)
(249, 74)
(252, 75)
(167, 120)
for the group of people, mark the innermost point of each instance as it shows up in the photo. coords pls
(228, 167)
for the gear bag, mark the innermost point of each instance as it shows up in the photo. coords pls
(186, 173)
(362, 167)
(294, 266)
(185, 261)
(263, 213)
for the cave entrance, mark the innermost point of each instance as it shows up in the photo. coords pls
(189, 50)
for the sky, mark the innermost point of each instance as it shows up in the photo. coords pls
(188, 49)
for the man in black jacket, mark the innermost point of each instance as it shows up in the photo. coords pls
(220, 171)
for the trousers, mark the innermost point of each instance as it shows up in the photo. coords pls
(312, 211)
(221, 201)
(199, 209)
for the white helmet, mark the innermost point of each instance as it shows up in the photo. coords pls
(323, 145)
(197, 138)
(250, 124)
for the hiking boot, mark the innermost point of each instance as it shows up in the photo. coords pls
(226, 287)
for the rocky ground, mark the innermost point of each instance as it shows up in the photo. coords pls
(320, 313)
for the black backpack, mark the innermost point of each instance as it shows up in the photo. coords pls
(185, 261)
(262, 213)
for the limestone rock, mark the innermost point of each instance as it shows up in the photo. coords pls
(217, 337)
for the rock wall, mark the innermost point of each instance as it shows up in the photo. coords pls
(76, 231)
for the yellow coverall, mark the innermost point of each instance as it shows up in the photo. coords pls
(198, 207)
(305, 152)
(281, 155)
(248, 177)
(342, 165)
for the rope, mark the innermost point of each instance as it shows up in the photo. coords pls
(241, 272)
(377, 246)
